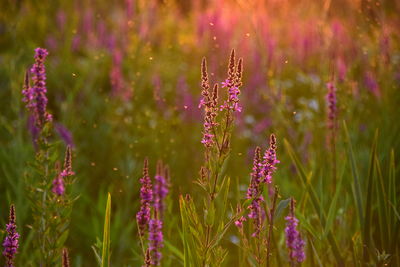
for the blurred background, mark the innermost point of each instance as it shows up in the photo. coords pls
(123, 80)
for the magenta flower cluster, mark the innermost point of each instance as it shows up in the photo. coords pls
(160, 188)
(263, 168)
(156, 240)
(146, 198)
(294, 242)
(153, 199)
(332, 109)
(10, 243)
(209, 98)
(233, 83)
(254, 192)
(35, 96)
(270, 161)
(58, 182)
(209, 102)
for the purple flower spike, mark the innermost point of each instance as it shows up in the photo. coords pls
(146, 196)
(35, 96)
(156, 240)
(332, 109)
(160, 188)
(58, 182)
(58, 185)
(270, 160)
(10, 243)
(209, 102)
(294, 242)
(233, 84)
(254, 191)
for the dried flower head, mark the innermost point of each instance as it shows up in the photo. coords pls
(65, 258)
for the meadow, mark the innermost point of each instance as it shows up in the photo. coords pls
(199, 133)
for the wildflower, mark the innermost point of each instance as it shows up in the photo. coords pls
(156, 239)
(254, 192)
(256, 175)
(205, 85)
(233, 83)
(35, 96)
(239, 222)
(293, 239)
(58, 182)
(332, 109)
(209, 102)
(270, 160)
(58, 185)
(10, 243)
(372, 84)
(160, 187)
(65, 258)
(146, 196)
(147, 259)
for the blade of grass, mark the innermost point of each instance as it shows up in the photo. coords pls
(332, 208)
(368, 204)
(356, 185)
(105, 256)
(384, 223)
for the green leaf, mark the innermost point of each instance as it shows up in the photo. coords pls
(105, 256)
(174, 250)
(368, 204)
(210, 214)
(332, 208)
(280, 207)
(225, 192)
(356, 185)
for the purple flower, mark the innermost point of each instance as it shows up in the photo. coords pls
(58, 185)
(160, 188)
(33, 129)
(58, 182)
(35, 96)
(332, 109)
(209, 102)
(254, 192)
(156, 240)
(371, 84)
(293, 239)
(256, 175)
(239, 222)
(233, 84)
(10, 243)
(65, 134)
(270, 160)
(146, 196)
